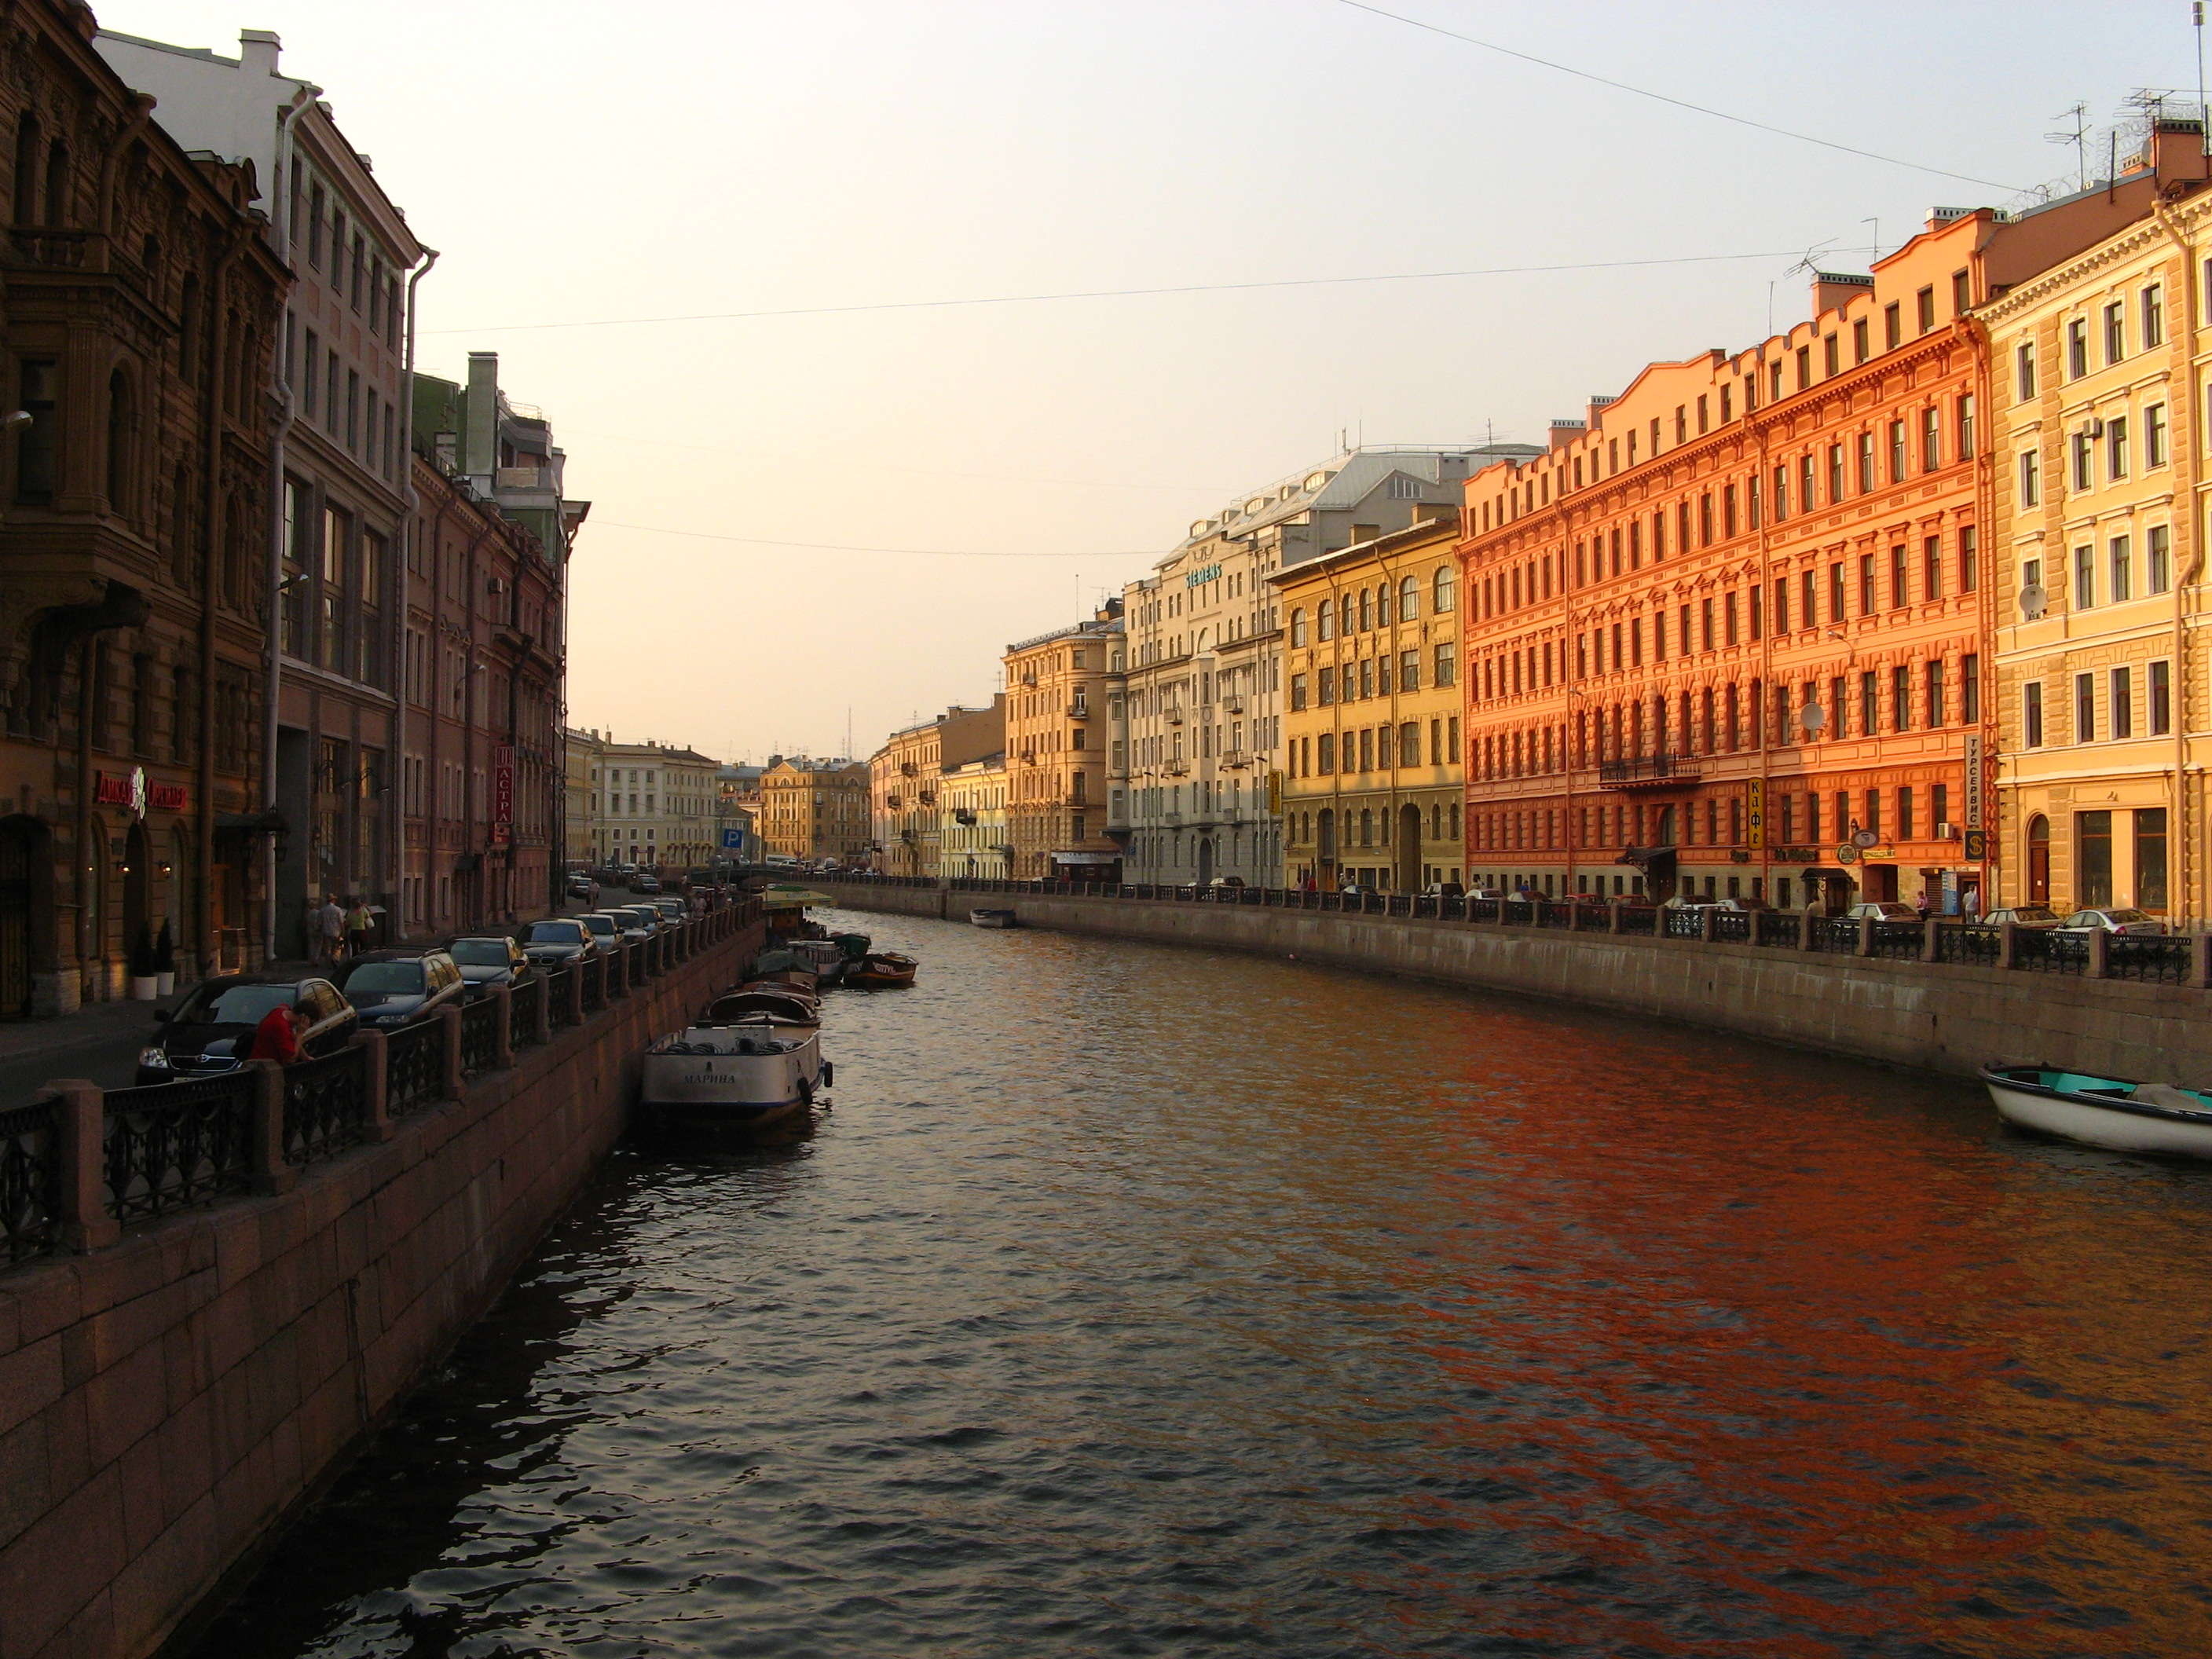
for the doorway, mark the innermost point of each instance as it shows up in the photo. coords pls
(137, 890)
(2038, 860)
(1205, 860)
(1408, 879)
(1325, 845)
(19, 840)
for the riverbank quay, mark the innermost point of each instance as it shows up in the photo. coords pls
(1943, 996)
(217, 1289)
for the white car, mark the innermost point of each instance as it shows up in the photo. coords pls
(2082, 923)
(1881, 910)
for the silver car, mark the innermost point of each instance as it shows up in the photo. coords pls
(2109, 920)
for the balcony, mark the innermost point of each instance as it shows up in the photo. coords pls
(927, 797)
(1233, 705)
(909, 770)
(1650, 771)
(1235, 761)
(961, 815)
(1177, 769)
(1173, 717)
(1079, 710)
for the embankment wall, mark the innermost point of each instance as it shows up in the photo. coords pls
(1941, 1017)
(165, 1402)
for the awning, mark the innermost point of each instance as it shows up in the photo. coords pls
(1086, 858)
(265, 823)
(1648, 858)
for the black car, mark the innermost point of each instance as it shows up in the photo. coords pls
(393, 989)
(485, 962)
(557, 943)
(211, 1031)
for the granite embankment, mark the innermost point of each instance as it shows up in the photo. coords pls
(1949, 1017)
(172, 1388)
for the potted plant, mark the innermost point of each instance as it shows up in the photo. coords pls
(165, 961)
(143, 976)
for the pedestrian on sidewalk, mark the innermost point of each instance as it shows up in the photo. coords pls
(330, 933)
(277, 1036)
(359, 925)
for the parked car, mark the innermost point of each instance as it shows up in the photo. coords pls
(1493, 894)
(644, 883)
(673, 909)
(646, 915)
(2082, 923)
(393, 989)
(2022, 916)
(1739, 904)
(557, 943)
(616, 927)
(489, 960)
(584, 888)
(1881, 910)
(211, 1030)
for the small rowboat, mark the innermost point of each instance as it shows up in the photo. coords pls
(990, 918)
(882, 970)
(2103, 1111)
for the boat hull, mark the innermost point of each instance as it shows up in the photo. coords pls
(991, 918)
(2116, 1126)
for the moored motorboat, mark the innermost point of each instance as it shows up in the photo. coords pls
(2115, 1113)
(854, 945)
(790, 1011)
(822, 955)
(749, 1076)
(985, 916)
(882, 970)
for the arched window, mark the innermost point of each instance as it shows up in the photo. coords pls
(57, 183)
(1298, 627)
(1447, 582)
(1366, 609)
(1455, 821)
(188, 330)
(122, 435)
(1348, 616)
(25, 197)
(1409, 600)
(1383, 605)
(1366, 827)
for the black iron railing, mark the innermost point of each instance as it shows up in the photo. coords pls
(2132, 955)
(2041, 950)
(556, 992)
(1732, 926)
(414, 1068)
(1967, 945)
(30, 1181)
(523, 999)
(479, 1037)
(176, 1146)
(1898, 941)
(325, 1106)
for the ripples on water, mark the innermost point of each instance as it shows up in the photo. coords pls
(1143, 1302)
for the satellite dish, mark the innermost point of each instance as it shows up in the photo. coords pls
(2033, 599)
(1811, 719)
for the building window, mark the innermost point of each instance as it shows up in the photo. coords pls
(1893, 326)
(1869, 704)
(2084, 578)
(1905, 828)
(1970, 689)
(1900, 698)
(1926, 299)
(2077, 348)
(2153, 318)
(1899, 594)
(1862, 343)
(1835, 474)
(1866, 585)
(2116, 332)
(2092, 858)
(1932, 679)
(2031, 710)
(1445, 662)
(2119, 570)
(2120, 694)
(2023, 370)
(1931, 568)
(2116, 446)
(1962, 293)
(2161, 698)
(38, 392)
(2155, 442)
(2158, 546)
(2085, 708)
(1866, 462)
(2031, 479)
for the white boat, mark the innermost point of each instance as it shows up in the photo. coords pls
(2114, 1112)
(823, 958)
(991, 918)
(752, 1074)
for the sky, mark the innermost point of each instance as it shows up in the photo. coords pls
(859, 160)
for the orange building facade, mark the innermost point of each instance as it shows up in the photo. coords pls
(1728, 636)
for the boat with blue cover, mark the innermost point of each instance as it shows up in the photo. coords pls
(2118, 1114)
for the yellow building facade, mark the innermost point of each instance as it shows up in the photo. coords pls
(814, 809)
(1372, 781)
(972, 837)
(1056, 719)
(902, 802)
(2098, 614)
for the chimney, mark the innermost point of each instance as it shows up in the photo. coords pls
(257, 50)
(1597, 402)
(480, 436)
(1565, 432)
(2176, 148)
(1833, 289)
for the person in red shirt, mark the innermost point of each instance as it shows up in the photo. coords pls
(277, 1036)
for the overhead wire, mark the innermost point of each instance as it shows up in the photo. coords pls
(1123, 293)
(1678, 103)
(903, 552)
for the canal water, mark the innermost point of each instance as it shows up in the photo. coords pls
(1135, 1301)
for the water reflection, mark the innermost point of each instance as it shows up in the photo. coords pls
(1144, 1302)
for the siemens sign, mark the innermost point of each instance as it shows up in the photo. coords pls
(1192, 578)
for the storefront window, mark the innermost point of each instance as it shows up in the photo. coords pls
(2150, 858)
(2092, 858)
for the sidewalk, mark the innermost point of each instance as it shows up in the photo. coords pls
(100, 1041)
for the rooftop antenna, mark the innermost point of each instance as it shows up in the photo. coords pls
(1876, 224)
(2079, 137)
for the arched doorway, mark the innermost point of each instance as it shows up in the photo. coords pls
(20, 844)
(1205, 860)
(1409, 848)
(2038, 860)
(137, 894)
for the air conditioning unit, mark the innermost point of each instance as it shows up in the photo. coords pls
(1947, 832)
(2092, 428)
